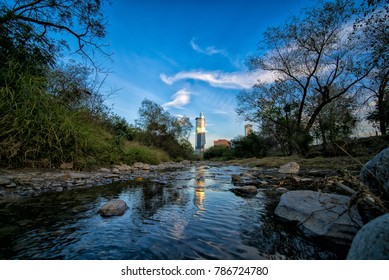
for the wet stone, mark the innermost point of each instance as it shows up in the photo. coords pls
(114, 207)
(4, 180)
(245, 191)
(12, 185)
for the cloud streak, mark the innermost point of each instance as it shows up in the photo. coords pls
(211, 50)
(180, 99)
(234, 80)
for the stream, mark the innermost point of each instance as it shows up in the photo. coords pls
(183, 214)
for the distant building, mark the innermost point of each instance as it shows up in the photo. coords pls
(200, 133)
(248, 128)
(222, 142)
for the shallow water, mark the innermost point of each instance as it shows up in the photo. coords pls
(195, 216)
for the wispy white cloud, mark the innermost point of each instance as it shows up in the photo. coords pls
(234, 80)
(211, 50)
(180, 99)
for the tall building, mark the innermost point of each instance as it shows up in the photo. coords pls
(248, 128)
(200, 133)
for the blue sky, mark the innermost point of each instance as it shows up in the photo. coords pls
(189, 56)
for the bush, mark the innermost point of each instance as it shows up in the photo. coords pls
(218, 152)
(37, 130)
(252, 145)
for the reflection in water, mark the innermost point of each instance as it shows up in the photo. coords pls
(159, 223)
(200, 188)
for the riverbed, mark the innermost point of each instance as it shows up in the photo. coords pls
(189, 213)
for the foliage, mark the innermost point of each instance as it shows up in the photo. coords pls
(39, 130)
(274, 107)
(160, 129)
(218, 152)
(335, 123)
(252, 145)
(36, 129)
(371, 31)
(28, 27)
(136, 152)
(314, 64)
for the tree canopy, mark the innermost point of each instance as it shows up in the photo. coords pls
(316, 60)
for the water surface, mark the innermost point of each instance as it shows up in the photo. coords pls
(194, 216)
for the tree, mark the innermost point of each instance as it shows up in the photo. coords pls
(252, 145)
(371, 31)
(27, 28)
(313, 53)
(335, 123)
(76, 87)
(221, 152)
(163, 130)
(274, 108)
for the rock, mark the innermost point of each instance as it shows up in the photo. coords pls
(375, 173)
(115, 171)
(75, 175)
(245, 191)
(289, 168)
(114, 207)
(321, 214)
(138, 165)
(12, 185)
(4, 180)
(146, 166)
(105, 170)
(111, 175)
(123, 167)
(263, 182)
(236, 178)
(281, 190)
(372, 241)
(67, 165)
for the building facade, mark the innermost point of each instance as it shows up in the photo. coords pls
(248, 128)
(200, 133)
(222, 142)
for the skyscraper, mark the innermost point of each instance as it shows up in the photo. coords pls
(200, 133)
(248, 128)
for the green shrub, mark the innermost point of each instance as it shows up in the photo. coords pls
(135, 152)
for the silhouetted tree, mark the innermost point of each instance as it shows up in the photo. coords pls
(313, 53)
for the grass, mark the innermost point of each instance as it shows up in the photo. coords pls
(36, 130)
(136, 152)
(320, 163)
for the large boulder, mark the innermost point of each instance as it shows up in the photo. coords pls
(114, 207)
(375, 173)
(372, 241)
(320, 215)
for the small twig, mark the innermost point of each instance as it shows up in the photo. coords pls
(345, 188)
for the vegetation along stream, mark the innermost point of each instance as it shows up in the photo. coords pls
(184, 214)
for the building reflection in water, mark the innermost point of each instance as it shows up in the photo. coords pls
(200, 188)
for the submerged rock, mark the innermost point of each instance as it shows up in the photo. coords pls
(245, 191)
(320, 214)
(372, 241)
(114, 207)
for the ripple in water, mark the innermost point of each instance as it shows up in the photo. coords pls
(196, 217)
